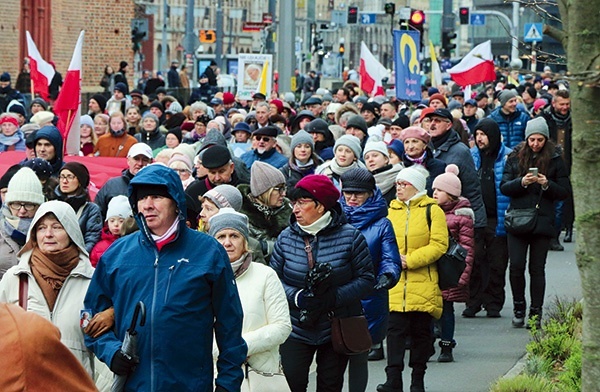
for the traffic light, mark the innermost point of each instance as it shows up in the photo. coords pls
(352, 15)
(463, 12)
(390, 8)
(447, 44)
(342, 49)
(416, 22)
(137, 37)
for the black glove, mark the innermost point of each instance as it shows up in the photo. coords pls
(122, 364)
(308, 301)
(220, 389)
(384, 281)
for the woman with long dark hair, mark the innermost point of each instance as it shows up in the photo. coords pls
(535, 175)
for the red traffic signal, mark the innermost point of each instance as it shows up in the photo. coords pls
(352, 15)
(463, 13)
(417, 17)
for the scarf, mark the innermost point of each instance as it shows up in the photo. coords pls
(337, 169)
(438, 141)
(241, 265)
(561, 121)
(170, 232)
(305, 169)
(15, 227)
(420, 160)
(385, 177)
(317, 225)
(51, 269)
(118, 133)
(8, 141)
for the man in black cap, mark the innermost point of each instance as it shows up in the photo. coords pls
(221, 170)
(121, 75)
(137, 99)
(265, 140)
(217, 105)
(315, 105)
(258, 98)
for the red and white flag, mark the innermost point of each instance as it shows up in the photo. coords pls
(68, 104)
(476, 67)
(371, 72)
(40, 71)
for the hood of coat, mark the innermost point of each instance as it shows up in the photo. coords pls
(65, 215)
(373, 209)
(462, 206)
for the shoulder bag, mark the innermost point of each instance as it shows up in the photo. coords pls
(452, 263)
(349, 335)
(522, 220)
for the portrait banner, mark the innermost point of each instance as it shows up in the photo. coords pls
(407, 66)
(252, 69)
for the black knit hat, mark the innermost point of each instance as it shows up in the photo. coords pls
(402, 121)
(41, 167)
(357, 180)
(101, 99)
(80, 171)
(177, 132)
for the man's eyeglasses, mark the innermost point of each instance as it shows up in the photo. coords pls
(68, 177)
(265, 139)
(16, 206)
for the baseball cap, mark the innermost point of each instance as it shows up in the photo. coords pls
(140, 149)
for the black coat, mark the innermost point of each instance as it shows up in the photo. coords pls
(339, 244)
(520, 197)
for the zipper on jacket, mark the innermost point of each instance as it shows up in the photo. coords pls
(171, 273)
(153, 308)
(406, 250)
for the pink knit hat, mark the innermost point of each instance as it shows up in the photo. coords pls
(449, 181)
(415, 132)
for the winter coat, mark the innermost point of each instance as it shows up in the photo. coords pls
(272, 157)
(293, 173)
(89, 216)
(512, 127)
(371, 219)
(434, 166)
(14, 143)
(111, 146)
(520, 197)
(111, 188)
(338, 244)
(40, 361)
(266, 316)
(107, 238)
(501, 199)
(155, 139)
(418, 290)
(265, 223)
(69, 302)
(188, 294)
(455, 151)
(459, 218)
(8, 250)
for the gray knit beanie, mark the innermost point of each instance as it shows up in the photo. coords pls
(152, 116)
(358, 122)
(505, 96)
(352, 142)
(264, 177)
(302, 137)
(357, 180)
(537, 125)
(225, 196)
(228, 218)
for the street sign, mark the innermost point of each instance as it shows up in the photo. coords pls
(368, 18)
(404, 13)
(339, 17)
(207, 36)
(253, 27)
(533, 32)
(477, 19)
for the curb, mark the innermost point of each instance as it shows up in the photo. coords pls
(517, 369)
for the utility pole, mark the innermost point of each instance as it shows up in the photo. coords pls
(163, 54)
(272, 10)
(514, 50)
(286, 44)
(219, 43)
(191, 41)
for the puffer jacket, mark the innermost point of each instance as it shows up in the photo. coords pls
(189, 291)
(460, 217)
(502, 200)
(265, 223)
(155, 139)
(338, 244)
(266, 316)
(418, 290)
(371, 219)
(520, 197)
(512, 127)
(106, 240)
(69, 302)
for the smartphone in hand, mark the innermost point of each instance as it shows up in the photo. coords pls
(533, 171)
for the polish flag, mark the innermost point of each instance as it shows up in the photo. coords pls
(68, 104)
(40, 71)
(371, 72)
(476, 67)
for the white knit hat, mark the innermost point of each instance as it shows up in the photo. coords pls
(25, 186)
(376, 146)
(119, 206)
(415, 175)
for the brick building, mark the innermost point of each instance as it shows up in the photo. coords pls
(55, 26)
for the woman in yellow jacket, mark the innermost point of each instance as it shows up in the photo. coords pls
(416, 300)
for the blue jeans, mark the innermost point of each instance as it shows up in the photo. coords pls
(447, 321)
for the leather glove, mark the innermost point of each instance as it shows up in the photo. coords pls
(384, 281)
(122, 364)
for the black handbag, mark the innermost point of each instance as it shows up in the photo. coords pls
(522, 220)
(452, 263)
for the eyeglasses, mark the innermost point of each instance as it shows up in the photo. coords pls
(68, 177)
(302, 202)
(16, 206)
(181, 170)
(265, 139)
(402, 185)
(350, 194)
(280, 189)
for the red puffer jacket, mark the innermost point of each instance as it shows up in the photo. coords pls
(460, 217)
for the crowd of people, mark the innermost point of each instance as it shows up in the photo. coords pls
(245, 226)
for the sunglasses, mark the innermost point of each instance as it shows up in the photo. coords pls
(263, 138)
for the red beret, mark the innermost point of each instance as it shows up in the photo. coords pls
(228, 98)
(187, 126)
(279, 105)
(321, 188)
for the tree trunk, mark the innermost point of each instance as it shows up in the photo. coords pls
(583, 56)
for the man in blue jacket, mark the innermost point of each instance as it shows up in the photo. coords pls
(189, 296)
(510, 119)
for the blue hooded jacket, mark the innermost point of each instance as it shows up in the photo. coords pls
(371, 219)
(52, 134)
(189, 291)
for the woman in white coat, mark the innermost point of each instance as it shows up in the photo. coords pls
(55, 268)
(266, 322)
